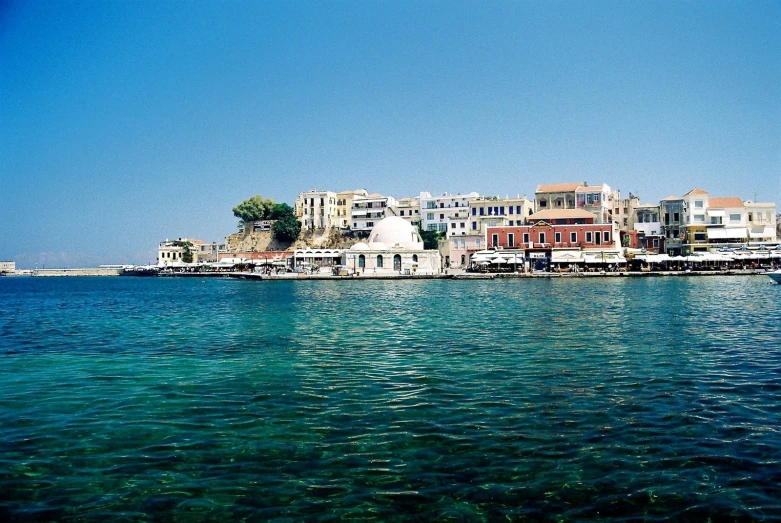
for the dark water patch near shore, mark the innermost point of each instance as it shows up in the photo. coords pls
(550, 399)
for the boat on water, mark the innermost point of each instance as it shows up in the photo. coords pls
(775, 275)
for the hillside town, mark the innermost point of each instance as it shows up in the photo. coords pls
(566, 227)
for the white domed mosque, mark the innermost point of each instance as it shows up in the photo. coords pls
(394, 247)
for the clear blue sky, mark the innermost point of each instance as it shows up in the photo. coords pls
(126, 123)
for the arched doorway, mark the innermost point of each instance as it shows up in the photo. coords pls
(379, 261)
(397, 262)
(361, 261)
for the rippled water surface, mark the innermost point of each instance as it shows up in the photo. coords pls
(187, 400)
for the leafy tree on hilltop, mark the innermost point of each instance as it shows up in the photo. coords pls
(280, 210)
(255, 208)
(287, 228)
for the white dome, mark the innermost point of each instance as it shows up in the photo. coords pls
(360, 246)
(394, 232)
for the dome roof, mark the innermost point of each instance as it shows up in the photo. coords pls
(394, 232)
(360, 246)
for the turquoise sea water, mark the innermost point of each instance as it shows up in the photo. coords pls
(185, 400)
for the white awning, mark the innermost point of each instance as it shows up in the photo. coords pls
(725, 233)
(712, 212)
(573, 256)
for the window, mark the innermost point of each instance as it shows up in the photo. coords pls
(361, 261)
(656, 243)
(699, 218)
(676, 217)
(598, 237)
(573, 237)
(715, 220)
(429, 215)
(452, 225)
(463, 225)
(510, 208)
(441, 205)
(511, 240)
(402, 213)
(397, 262)
(511, 223)
(667, 218)
(751, 217)
(734, 218)
(474, 226)
(588, 237)
(607, 237)
(557, 237)
(501, 209)
(379, 261)
(495, 240)
(542, 237)
(543, 203)
(415, 258)
(482, 211)
(626, 222)
(474, 211)
(517, 209)
(698, 204)
(526, 237)
(441, 216)
(369, 224)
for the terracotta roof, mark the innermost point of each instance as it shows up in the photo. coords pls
(695, 191)
(552, 214)
(729, 202)
(559, 187)
(670, 198)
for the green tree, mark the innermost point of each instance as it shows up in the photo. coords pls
(254, 208)
(287, 228)
(187, 252)
(280, 210)
(431, 238)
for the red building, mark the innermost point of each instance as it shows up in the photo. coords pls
(560, 237)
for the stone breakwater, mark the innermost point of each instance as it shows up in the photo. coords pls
(76, 272)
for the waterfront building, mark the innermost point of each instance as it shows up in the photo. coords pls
(725, 222)
(369, 210)
(317, 210)
(487, 211)
(344, 206)
(407, 208)
(393, 247)
(170, 252)
(456, 251)
(649, 228)
(448, 213)
(7, 267)
(559, 237)
(761, 221)
(672, 216)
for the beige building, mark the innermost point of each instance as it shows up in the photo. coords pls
(7, 267)
(344, 206)
(409, 209)
(596, 199)
(624, 210)
(317, 209)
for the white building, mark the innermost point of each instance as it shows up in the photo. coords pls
(487, 212)
(367, 211)
(171, 252)
(761, 221)
(447, 213)
(393, 247)
(7, 267)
